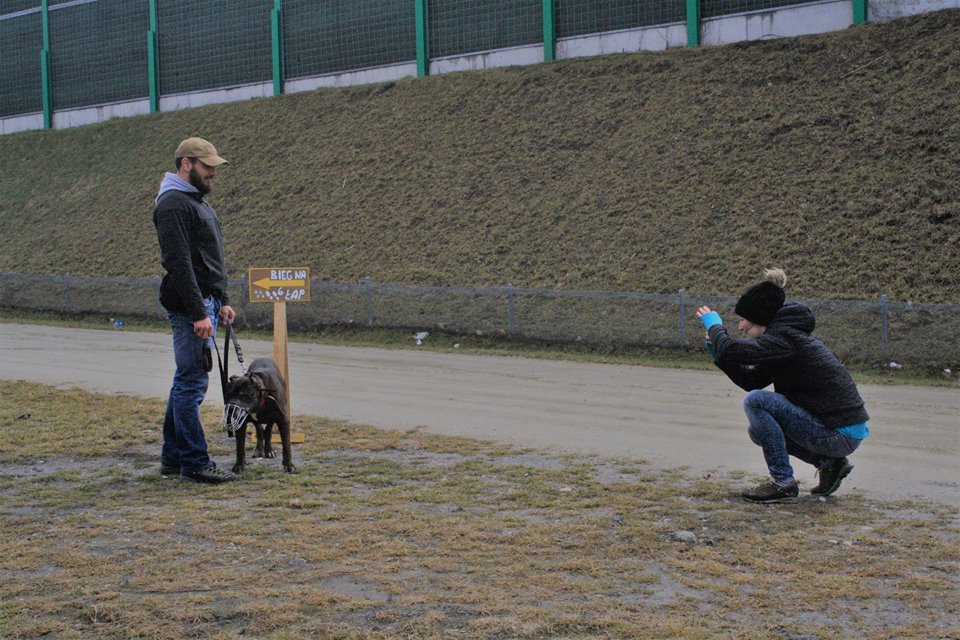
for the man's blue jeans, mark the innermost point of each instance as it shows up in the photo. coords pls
(783, 429)
(184, 444)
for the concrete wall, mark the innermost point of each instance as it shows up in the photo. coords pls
(364, 76)
(806, 19)
(656, 38)
(13, 124)
(889, 9)
(821, 17)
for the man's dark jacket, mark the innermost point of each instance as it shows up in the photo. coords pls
(800, 367)
(191, 250)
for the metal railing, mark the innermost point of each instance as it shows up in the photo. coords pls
(862, 331)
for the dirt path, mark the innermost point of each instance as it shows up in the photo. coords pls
(669, 418)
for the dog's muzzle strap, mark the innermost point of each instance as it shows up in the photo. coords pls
(233, 417)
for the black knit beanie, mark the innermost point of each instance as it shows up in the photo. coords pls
(762, 301)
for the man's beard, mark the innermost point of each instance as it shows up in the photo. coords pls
(198, 182)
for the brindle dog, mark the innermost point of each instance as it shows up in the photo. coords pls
(259, 397)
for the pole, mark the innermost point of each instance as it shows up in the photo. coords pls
(369, 289)
(511, 315)
(46, 88)
(423, 44)
(280, 350)
(884, 328)
(683, 317)
(153, 67)
(860, 13)
(69, 296)
(276, 25)
(693, 23)
(549, 31)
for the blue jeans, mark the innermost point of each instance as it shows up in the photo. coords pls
(783, 429)
(184, 444)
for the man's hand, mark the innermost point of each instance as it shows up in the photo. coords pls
(227, 314)
(203, 328)
(702, 311)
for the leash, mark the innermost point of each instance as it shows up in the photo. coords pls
(234, 415)
(223, 363)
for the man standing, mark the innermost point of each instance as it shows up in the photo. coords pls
(194, 293)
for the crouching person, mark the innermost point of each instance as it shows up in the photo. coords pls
(814, 412)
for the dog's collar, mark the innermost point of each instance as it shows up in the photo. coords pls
(265, 393)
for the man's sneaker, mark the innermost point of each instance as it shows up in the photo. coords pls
(832, 476)
(209, 475)
(772, 492)
(167, 470)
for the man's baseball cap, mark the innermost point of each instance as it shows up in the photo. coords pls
(201, 150)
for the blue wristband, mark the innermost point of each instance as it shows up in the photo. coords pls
(711, 351)
(710, 319)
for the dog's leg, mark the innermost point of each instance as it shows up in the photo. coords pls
(258, 450)
(283, 426)
(241, 436)
(268, 440)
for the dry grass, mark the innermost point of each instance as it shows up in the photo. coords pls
(405, 535)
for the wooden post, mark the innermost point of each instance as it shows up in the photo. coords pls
(277, 285)
(280, 350)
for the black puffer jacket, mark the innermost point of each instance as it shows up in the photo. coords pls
(191, 250)
(799, 366)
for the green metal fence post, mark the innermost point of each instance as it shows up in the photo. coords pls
(693, 23)
(46, 93)
(423, 45)
(860, 11)
(153, 69)
(549, 31)
(277, 29)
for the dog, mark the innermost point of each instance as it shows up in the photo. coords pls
(259, 397)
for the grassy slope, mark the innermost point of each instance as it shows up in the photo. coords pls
(833, 156)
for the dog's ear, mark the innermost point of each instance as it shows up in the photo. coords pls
(233, 378)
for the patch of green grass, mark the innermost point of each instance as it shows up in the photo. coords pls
(386, 534)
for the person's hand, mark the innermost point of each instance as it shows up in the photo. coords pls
(203, 328)
(227, 314)
(706, 337)
(708, 317)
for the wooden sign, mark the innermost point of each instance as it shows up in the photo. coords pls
(280, 285)
(283, 284)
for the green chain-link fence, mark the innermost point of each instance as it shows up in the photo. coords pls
(97, 53)
(21, 38)
(458, 27)
(206, 45)
(326, 37)
(581, 17)
(67, 54)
